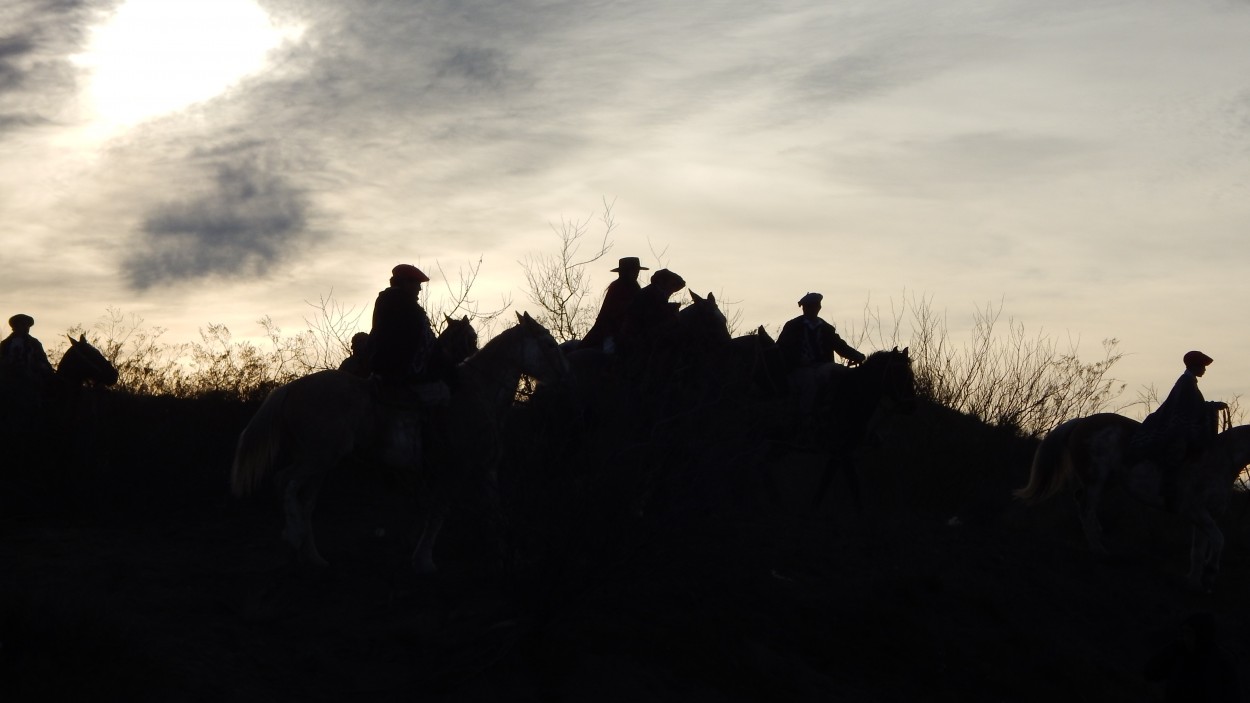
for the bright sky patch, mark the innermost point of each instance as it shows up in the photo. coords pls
(154, 57)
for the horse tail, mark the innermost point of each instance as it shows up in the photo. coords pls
(1052, 465)
(257, 450)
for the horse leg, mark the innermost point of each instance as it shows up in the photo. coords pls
(832, 468)
(309, 501)
(423, 555)
(1207, 545)
(1088, 512)
(296, 505)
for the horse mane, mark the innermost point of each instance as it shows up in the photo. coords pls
(882, 357)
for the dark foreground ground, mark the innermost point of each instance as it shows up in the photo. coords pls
(609, 571)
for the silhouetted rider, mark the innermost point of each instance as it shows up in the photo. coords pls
(807, 345)
(1180, 429)
(21, 355)
(616, 303)
(651, 311)
(401, 339)
(358, 363)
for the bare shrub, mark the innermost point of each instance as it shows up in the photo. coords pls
(1001, 375)
(558, 283)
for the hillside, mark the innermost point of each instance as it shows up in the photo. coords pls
(683, 562)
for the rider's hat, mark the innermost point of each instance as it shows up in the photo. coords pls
(408, 272)
(811, 299)
(1197, 358)
(21, 320)
(630, 263)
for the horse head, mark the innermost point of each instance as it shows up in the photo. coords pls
(540, 356)
(701, 323)
(83, 363)
(458, 339)
(896, 380)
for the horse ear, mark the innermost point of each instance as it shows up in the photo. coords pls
(83, 337)
(905, 351)
(72, 341)
(711, 297)
(696, 297)
(465, 319)
(520, 319)
(447, 318)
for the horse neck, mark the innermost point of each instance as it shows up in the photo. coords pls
(699, 330)
(73, 371)
(1234, 445)
(867, 378)
(78, 366)
(457, 343)
(492, 375)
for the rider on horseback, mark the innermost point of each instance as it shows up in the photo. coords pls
(358, 363)
(21, 355)
(650, 315)
(615, 307)
(1180, 428)
(402, 341)
(807, 345)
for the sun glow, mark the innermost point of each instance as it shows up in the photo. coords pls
(154, 57)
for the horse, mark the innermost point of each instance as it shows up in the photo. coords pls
(84, 365)
(859, 400)
(458, 340)
(1093, 454)
(683, 352)
(81, 366)
(38, 412)
(759, 364)
(307, 427)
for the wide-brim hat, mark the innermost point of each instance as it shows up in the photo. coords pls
(21, 320)
(630, 263)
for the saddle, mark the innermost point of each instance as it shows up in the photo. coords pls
(411, 397)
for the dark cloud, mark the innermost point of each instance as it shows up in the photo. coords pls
(475, 66)
(35, 74)
(251, 219)
(12, 51)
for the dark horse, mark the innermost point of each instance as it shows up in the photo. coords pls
(458, 340)
(82, 365)
(673, 360)
(686, 354)
(860, 398)
(46, 408)
(306, 428)
(1088, 455)
(758, 364)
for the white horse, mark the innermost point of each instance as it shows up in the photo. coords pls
(1093, 452)
(307, 427)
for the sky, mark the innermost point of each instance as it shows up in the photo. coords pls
(1081, 166)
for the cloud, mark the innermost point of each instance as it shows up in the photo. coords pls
(36, 78)
(251, 219)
